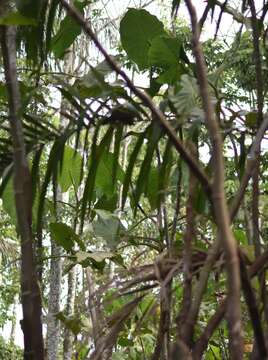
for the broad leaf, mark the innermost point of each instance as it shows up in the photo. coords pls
(108, 227)
(64, 235)
(98, 256)
(67, 33)
(137, 29)
(17, 19)
(30, 8)
(165, 53)
(70, 169)
(186, 100)
(105, 174)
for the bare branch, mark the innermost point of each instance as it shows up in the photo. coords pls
(259, 264)
(250, 165)
(218, 197)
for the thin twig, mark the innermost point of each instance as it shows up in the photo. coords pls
(200, 346)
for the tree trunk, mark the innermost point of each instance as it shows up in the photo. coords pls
(53, 326)
(13, 321)
(68, 337)
(30, 292)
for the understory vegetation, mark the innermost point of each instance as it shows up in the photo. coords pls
(133, 166)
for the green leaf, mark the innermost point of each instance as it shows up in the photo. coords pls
(131, 164)
(17, 19)
(201, 204)
(70, 169)
(107, 203)
(63, 235)
(96, 156)
(164, 172)
(187, 98)
(105, 174)
(240, 236)
(30, 8)
(74, 323)
(108, 227)
(252, 120)
(153, 187)
(155, 132)
(67, 33)
(175, 7)
(8, 198)
(137, 29)
(164, 52)
(97, 256)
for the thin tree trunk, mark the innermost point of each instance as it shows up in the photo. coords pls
(220, 208)
(14, 321)
(93, 305)
(68, 336)
(53, 326)
(30, 292)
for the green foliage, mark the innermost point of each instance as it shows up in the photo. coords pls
(109, 228)
(70, 169)
(127, 189)
(147, 43)
(137, 30)
(9, 351)
(64, 236)
(67, 33)
(15, 18)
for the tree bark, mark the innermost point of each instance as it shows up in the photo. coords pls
(53, 326)
(68, 337)
(30, 292)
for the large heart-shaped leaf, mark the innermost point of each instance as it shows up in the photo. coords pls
(137, 29)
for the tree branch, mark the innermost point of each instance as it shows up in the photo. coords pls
(202, 343)
(218, 197)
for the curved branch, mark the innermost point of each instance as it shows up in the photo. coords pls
(218, 196)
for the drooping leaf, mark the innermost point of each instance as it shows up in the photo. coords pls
(50, 22)
(175, 7)
(69, 169)
(152, 188)
(64, 235)
(186, 100)
(96, 155)
(17, 19)
(164, 172)
(154, 134)
(137, 29)
(55, 156)
(67, 33)
(74, 323)
(164, 52)
(97, 256)
(30, 8)
(131, 164)
(108, 227)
